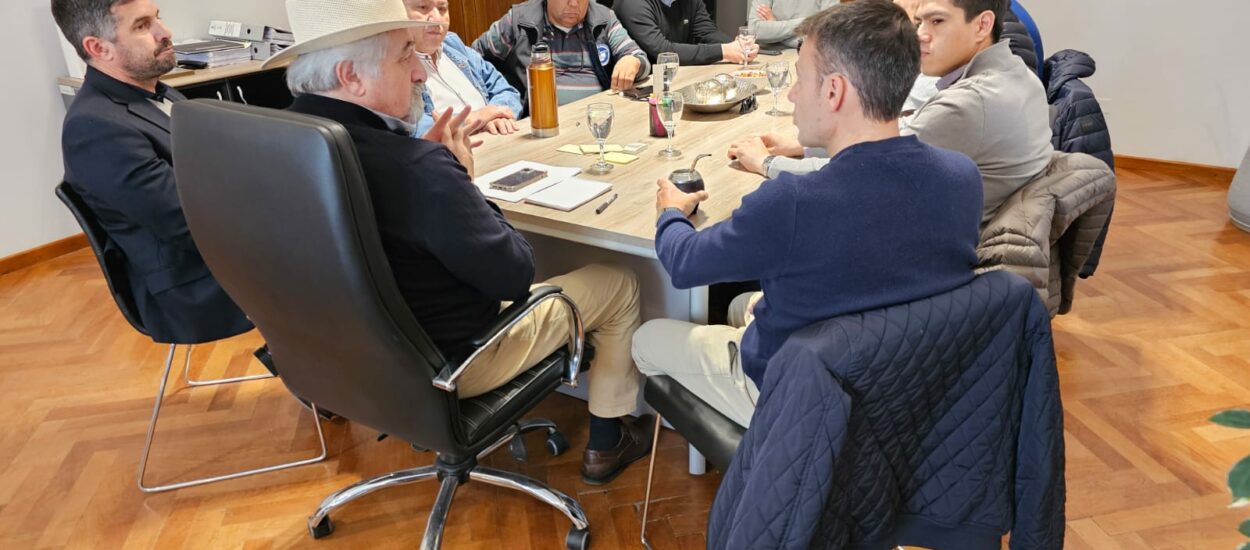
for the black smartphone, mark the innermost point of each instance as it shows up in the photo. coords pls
(641, 92)
(518, 180)
(193, 65)
(767, 51)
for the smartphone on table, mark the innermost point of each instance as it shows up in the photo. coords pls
(639, 93)
(518, 180)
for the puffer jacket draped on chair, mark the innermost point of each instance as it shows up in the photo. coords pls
(936, 423)
(1021, 41)
(1077, 122)
(1046, 230)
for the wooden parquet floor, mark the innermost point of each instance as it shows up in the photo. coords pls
(1158, 341)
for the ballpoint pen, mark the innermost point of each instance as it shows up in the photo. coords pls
(606, 204)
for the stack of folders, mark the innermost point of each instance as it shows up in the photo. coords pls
(215, 53)
(263, 41)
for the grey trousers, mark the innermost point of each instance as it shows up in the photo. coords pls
(703, 359)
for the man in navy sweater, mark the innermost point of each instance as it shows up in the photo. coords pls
(887, 221)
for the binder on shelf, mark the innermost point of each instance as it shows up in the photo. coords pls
(235, 30)
(214, 53)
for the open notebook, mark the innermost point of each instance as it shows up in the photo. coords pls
(569, 194)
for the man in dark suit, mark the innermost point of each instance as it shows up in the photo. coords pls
(455, 257)
(115, 143)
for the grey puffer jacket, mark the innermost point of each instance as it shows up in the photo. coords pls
(1046, 230)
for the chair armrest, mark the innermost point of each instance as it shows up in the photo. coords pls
(509, 317)
(512, 313)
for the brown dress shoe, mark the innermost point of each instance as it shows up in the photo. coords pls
(599, 467)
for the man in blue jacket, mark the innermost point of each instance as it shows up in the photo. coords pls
(117, 156)
(887, 221)
(458, 77)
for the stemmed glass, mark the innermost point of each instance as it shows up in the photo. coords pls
(666, 65)
(670, 107)
(746, 41)
(778, 78)
(599, 120)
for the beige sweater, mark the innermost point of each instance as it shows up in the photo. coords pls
(997, 114)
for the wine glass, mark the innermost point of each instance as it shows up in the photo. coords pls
(599, 120)
(666, 64)
(746, 41)
(670, 107)
(778, 78)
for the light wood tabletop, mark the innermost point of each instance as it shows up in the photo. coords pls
(628, 225)
(183, 77)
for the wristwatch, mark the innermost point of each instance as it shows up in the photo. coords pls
(768, 163)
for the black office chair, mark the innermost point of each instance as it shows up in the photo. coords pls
(113, 264)
(710, 432)
(282, 214)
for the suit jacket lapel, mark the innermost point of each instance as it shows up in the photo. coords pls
(135, 100)
(144, 109)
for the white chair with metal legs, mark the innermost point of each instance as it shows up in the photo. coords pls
(156, 411)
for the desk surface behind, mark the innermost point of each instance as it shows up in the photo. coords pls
(629, 224)
(181, 78)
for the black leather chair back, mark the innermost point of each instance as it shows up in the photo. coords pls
(107, 253)
(278, 205)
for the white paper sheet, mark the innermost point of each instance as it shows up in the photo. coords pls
(555, 174)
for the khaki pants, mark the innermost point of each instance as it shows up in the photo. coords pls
(607, 298)
(703, 359)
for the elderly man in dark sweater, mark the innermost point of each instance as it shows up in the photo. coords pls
(680, 26)
(887, 221)
(456, 259)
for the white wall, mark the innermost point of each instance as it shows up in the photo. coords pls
(32, 111)
(189, 18)
(1175, 73)
(30, 132)
(1178, 87)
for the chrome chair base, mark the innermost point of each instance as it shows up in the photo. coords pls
(319, 524)
(156, 411)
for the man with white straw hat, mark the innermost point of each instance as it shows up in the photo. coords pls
(454, 256)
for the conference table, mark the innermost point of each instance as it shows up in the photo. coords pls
(624, 234)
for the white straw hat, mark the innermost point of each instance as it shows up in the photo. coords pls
(321, 24)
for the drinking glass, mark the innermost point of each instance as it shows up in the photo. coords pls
(599, 120)
(778, 78)
(666, 65)
(670, 107)
(746, 41)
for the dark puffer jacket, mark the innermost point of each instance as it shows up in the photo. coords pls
(1078, 124)
(1021, 41)
(936, 423)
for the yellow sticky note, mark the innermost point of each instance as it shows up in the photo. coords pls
(620, 158)
(570, 149)
(607, 148)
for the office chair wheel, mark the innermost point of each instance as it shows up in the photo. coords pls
(556, 443)
(578, 539)
(517, 449)
(323, 529)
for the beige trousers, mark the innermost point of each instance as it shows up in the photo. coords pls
(607, 298)
(704, 359)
